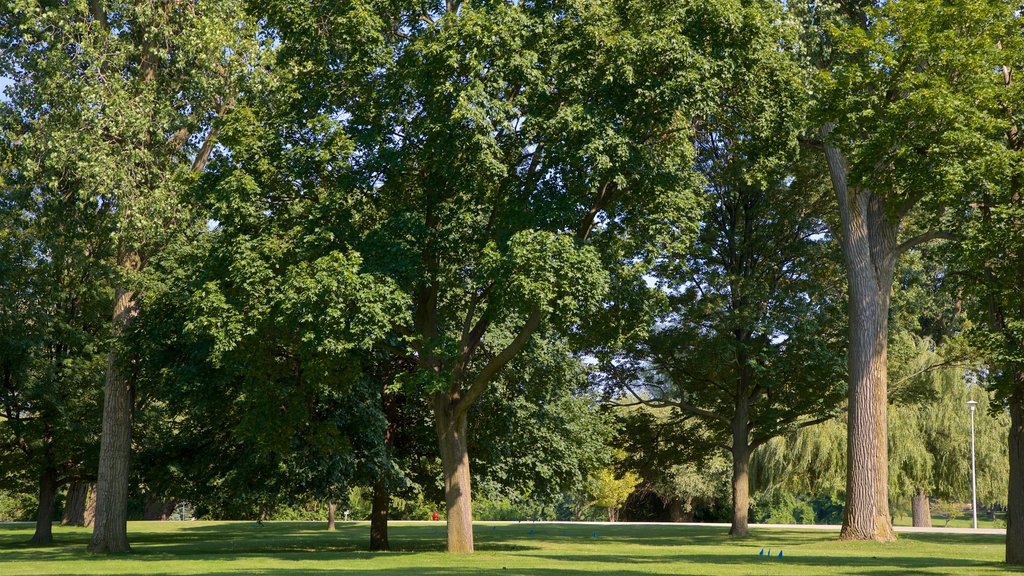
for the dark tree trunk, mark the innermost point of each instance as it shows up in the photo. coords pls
(74, 504)
(921, 510)
(44, 515)
(110, 533)
(158, 508)
(1015, 495)
(451, 436)
(331, 509)
(89, 517)
(870, 252)
(379, 518)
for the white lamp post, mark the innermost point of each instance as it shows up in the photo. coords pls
(974, 482)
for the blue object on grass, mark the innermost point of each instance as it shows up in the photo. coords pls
(761, 553)
(780, 553)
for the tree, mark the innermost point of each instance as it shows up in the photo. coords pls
(750, 344)
(901, 120)
(116, 104)
(993, 256)
(512, 157)
(53, 298)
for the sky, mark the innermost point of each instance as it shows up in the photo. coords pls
(4, 83)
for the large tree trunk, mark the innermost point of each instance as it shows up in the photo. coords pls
(379, 517)
(89, 517)
(921, 510)
(451, 436)
(110, 533)
(158, 508)
(331, 509)
(74, 504)
(44, 515)
(1015, 495)
(740, 467)
(870, 251)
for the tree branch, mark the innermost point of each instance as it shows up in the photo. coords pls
(922, 238)
(498, 362)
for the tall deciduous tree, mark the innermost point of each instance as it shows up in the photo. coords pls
(902, 122)
(116, 104)
(993, 257)
(515, 158)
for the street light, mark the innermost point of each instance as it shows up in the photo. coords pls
(974, 481)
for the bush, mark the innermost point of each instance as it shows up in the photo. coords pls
(16, 507)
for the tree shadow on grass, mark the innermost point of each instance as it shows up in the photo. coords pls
(823, 564)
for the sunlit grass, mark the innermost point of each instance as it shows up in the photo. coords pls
(223, 548)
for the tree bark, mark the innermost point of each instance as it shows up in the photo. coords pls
(89, 517)
(451, 435)
(921, 510)
(110, 533)
(379, 518)
(44, 515)
(740, 474)
(331, 509)
(74, 504)
(1015, 495)
(870, 252)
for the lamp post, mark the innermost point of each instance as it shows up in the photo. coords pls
(974, 482)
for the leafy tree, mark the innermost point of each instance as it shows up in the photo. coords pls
(116, 104)
(901, 119)
(53, 315)
(518, 162)
(750, 345)
(992, 255)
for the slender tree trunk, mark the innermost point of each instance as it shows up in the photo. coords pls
(741, 464)
(870, 251)
(89, 516)
(379, 517)
(110, 533)
(331, 508)
(44, 515)
(613, 513)
(921, 510)
(1015, 495)
(74, 504)
(451, 436)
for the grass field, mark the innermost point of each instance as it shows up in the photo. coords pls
(223, 548)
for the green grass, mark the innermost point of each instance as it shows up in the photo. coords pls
(223, 548)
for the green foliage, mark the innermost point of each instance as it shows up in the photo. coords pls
(17, 507)
(781, 507)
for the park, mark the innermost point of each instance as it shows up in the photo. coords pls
(537, 286)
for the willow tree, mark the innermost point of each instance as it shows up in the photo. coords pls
(519, 164)
(902, 123)
(116, 104)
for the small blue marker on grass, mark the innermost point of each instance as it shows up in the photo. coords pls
(780, 553)
(761, 553)
(595, 535)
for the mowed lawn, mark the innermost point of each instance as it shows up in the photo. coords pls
(222, 548)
